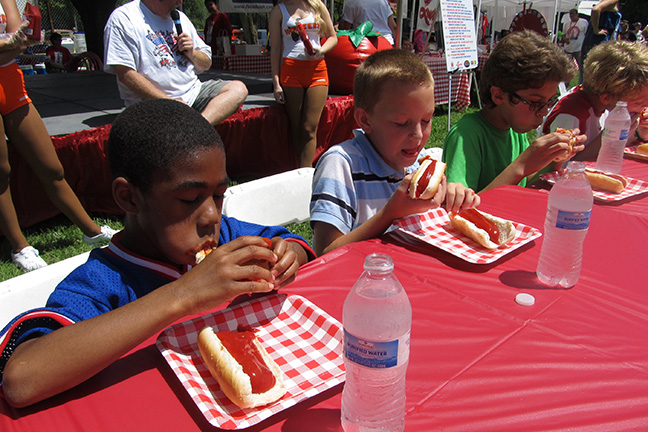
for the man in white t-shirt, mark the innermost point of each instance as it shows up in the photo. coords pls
(152, 61)
(573, 35)
(378, 12)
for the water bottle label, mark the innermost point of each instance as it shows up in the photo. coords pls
(573, 220)
(625, 133)
(377, 355)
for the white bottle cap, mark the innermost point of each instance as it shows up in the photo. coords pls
(525, 299)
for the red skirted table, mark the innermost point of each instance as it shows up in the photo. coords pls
(257, 144)
(576, 360)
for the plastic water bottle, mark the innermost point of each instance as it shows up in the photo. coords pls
(565, 228)
(377, 318)
(614, 138)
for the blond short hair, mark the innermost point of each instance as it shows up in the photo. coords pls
(617, 68)
(384, 68)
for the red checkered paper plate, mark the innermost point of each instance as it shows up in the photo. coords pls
(635, 187)
(632, 152)
(304, 340)
(434, 228)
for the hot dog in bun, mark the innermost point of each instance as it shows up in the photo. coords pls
(642, 149)
(427, 178)
(489, 231)
(572, 143)
(605, 181)
(243, 368)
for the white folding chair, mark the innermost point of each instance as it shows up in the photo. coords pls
(279, 199)
(31, 290)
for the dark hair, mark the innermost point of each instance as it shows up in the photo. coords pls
(523, 60)
(153, 135)
(55, 36)
(382, 69)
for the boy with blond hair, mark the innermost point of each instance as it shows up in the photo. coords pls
(360, 186)
(614, 71)
(170, 182)
(518, 86)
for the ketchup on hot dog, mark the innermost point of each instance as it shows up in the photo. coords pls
(425, 178)
(240, 345)
(480, 221)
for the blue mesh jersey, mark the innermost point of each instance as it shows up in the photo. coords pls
(113, 277)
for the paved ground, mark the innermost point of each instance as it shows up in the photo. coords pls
(84, 100)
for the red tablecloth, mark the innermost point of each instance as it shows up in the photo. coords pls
(257, 143)
(576, 360)
(460, 83)
(243, 63)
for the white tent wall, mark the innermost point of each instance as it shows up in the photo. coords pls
(502, 12)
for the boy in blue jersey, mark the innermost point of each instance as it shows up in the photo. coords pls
(360, 186)
(168, 166)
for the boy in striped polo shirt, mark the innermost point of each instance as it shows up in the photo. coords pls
(360, 186)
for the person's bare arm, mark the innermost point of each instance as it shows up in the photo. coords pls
(138, 83)
(42, 367)
(538, 155)
(200, 60)
(326, 237)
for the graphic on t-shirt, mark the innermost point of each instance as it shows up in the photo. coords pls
(165, 50)
(573, 32)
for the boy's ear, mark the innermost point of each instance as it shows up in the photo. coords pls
(607, 100)
(362, 118)
(125, 195)
(498, 95)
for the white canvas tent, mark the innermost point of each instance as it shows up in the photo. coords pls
(501, 12)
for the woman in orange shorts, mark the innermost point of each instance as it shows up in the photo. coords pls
(299, 73)
(27, 134)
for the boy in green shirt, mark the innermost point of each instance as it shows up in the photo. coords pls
(518, 87)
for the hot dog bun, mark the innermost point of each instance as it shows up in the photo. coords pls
(642, 149)
(481, 235)
(572, 142)
(604, 181)
(427, 178)
(234, 382)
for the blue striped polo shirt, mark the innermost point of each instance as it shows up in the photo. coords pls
(351, 183)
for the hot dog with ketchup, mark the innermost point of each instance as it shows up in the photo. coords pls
(605, 181)
(427, 178)
(489, 231)
(246, 373)
(572, 143)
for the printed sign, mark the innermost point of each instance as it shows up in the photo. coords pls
(459, 34)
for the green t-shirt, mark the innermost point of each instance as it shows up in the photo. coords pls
(476, 152)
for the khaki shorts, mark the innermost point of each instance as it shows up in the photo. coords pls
(208, 91)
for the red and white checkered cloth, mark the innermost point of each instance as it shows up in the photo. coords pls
(632, 152)
(635, 187)
(434, 228)
(243, 63)
(460, 83)
(304, 340)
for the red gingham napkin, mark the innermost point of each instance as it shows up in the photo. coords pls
(434, 228)
(304, 340)
(632, 152)
(635, 187)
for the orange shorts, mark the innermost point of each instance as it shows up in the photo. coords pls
(12, 89)
(303, 73)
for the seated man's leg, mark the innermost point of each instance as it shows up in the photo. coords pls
(218, 99)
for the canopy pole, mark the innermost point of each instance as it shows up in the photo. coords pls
(399, 23)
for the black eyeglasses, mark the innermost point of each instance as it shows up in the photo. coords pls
(533, 106)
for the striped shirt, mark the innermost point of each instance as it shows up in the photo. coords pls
(351, 183)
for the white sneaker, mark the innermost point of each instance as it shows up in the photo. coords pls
(28, 259)
(105, 236)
